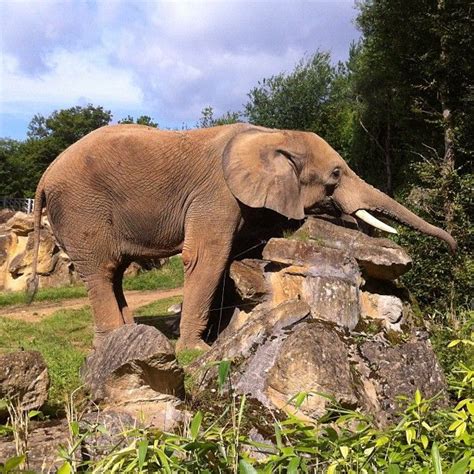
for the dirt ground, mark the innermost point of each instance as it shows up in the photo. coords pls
(37, 311)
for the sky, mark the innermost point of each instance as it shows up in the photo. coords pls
(165, 59)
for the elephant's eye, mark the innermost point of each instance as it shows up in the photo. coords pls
(336, 173)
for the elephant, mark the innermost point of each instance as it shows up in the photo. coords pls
(124, 192)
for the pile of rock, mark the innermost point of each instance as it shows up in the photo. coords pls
(327, 318)
(16, 255)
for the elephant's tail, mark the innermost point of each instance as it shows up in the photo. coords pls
(32, 283)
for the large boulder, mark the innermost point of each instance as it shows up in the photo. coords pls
(281, 352)
(135, 371)
(23, 379)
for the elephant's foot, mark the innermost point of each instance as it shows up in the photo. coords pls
(191, 344)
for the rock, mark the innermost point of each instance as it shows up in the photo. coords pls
(133, 362)
(401, 369)
(135, 371)
(47, 255)
(21, 223)
(378, 258)
(24, 377)
(280, 352)
(5, 215)
(44, 441)
(386, 308)
(313, 358)
(259, 326)
(326, 279)
(249, 279)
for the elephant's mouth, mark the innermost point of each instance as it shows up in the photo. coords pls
(331, 207)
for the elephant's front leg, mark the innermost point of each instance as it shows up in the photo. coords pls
(204, 263)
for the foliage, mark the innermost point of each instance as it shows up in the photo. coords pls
(208, 120)
(23, 163)
(426, 439)
(295, 100)
(141, 120)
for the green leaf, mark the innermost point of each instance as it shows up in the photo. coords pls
(246, 468)
(393, 469)
(332, 468)
(224, 366)
(424, 441)
(293, 465)
(33, 413)
(12, 463)
(142, 452)
(278, 436)
(196, 425)
(454, 343)
(344, 451)
(74, 426)
(436, 459)
(460, 467)
(417, 397)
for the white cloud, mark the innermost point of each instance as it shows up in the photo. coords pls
(70, 77)
(168, 59)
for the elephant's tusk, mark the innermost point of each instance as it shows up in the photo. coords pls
(366, 217)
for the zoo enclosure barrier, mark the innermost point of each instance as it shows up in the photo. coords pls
(17, 204)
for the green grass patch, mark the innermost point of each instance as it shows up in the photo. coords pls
(168, 276)
(63, 339)
(158, 308)
(44, 294)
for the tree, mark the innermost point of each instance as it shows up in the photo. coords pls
(414, 83)
(208, 120)
(296, 100)
(141, 120)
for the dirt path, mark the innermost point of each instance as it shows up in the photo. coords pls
(37, 311)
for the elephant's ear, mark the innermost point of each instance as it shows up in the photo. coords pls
(261, 172)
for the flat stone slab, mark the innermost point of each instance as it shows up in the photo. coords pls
(378, 258)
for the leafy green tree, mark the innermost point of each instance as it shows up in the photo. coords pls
(141, 120)
(414, 84)
(208, 120)
(296, 100)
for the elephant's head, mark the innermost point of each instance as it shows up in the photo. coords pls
(294, 172)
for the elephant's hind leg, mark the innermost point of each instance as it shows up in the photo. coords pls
(127, 316)
(105, 307)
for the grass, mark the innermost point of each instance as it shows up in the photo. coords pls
(168, 276)
(63, 339)
(13, 298)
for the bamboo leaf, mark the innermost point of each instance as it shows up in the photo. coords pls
(196, 425)
(246, 468)
(436, 459)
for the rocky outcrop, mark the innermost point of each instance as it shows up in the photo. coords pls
(134, 371)
(24, 380)
(54, 266)
(16, 255)
(326, 321)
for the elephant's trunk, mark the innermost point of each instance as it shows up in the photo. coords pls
(364, 196)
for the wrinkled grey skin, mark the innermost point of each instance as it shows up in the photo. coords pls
(127, 191)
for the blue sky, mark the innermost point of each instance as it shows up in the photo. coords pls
(166, 59)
